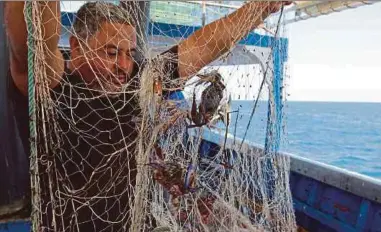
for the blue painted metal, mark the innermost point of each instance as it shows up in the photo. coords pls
(312, 198)
(374, 220)
(179, 99)
(16, 226)
(321, 217)
(330, 207)
(363, 214)
(180, 31)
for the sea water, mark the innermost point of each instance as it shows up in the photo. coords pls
(346, 135)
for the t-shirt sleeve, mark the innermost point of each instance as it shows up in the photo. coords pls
(164, 65)
(171, 59)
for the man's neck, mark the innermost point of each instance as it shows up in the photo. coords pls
(70, 66)
(73, 69)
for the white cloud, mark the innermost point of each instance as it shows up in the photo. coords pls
(337, 58)
(71, 6)
(311, 82)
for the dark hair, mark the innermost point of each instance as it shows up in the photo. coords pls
(91, 15)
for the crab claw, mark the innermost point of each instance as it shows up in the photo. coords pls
(175, 191)
(158, 176)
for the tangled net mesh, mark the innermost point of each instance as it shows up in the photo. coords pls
(132, 159)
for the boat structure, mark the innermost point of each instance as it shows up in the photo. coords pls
(325, 198)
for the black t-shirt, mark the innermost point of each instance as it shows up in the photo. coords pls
(92, 150)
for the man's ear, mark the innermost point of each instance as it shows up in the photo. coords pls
(75, 46)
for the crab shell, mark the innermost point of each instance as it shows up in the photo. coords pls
(176, 179)
(158, 87)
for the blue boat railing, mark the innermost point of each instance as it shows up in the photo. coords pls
(326, 198)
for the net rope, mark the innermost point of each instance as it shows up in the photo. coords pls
(127, 155)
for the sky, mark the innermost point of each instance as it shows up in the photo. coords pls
(337, 57)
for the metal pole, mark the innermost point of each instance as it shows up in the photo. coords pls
(139, 11)
(208, 3)
(203, 13)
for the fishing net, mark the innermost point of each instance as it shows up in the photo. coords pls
(132, 154)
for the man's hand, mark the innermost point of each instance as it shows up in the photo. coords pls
(215, 39)
(276, 6)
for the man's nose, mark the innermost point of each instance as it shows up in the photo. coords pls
(124, 62)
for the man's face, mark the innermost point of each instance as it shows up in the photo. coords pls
(108, 61)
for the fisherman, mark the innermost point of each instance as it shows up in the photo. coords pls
(103, 48)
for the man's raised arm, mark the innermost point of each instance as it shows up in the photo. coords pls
(215, 39)
(17, 33)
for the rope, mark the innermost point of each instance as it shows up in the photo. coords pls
(273, 46)
(32, 119)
